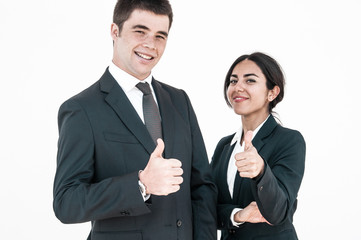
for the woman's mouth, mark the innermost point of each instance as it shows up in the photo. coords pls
(239, 99)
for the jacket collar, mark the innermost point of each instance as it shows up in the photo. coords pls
(261, 138)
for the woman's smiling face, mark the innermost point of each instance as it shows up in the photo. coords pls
(247, 91)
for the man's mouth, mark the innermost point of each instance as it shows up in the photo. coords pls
(144, 56)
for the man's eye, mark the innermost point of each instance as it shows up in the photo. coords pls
(160, 37)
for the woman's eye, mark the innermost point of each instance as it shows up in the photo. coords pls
(250, 80)
(233, 81)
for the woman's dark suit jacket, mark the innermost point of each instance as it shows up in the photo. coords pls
(283, 151)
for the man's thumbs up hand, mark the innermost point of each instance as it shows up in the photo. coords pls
(159, 149)
(161, 176)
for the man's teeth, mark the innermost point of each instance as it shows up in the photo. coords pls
(144, 56)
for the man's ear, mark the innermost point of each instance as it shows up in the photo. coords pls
(114, 31)
(273, 93)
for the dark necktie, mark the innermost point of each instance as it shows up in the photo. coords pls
(150, 112)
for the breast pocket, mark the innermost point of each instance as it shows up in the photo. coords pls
(123, 153)
(120, 137)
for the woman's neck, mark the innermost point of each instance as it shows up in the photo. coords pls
(250, 123)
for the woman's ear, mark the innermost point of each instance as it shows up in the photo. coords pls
(273, 93)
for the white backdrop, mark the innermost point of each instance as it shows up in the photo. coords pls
(51, 50)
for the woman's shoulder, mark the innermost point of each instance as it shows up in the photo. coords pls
(223, 142)
(226, 140)
(288, 135)
(219, 148)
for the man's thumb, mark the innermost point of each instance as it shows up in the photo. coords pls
(158, 151)
(248, 140)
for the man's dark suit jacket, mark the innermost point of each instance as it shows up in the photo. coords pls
(275, 192)
(103, 144)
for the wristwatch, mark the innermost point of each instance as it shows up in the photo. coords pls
(142, 189)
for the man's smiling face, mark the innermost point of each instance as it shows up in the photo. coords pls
(140, 45)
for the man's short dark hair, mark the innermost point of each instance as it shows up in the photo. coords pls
(124, 8)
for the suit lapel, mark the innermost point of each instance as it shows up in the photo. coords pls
(167, 111)
(236, 189)
(261, 137)
(226, 158)
(120, 103)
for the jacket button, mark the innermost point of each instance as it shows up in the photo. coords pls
(179, 223)
(232, 231)
(124, 213)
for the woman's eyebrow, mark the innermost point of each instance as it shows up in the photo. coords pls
(250, 74)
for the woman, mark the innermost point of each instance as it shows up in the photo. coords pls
(259, 169)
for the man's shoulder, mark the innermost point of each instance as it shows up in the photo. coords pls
(86, 94)
(176, 95)
(94, 89)
(169, 88)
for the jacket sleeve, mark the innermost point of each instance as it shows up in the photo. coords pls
(203, 190)
(276, 191)
(77, 198)
(224, 212)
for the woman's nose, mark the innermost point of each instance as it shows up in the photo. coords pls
(239, 87)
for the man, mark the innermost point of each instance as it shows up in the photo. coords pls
(112, 170)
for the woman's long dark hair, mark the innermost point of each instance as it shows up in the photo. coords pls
(270, 69)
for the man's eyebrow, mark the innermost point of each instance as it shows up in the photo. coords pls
(249, 74)
(147, 28)
(140, 26)
(163, 33)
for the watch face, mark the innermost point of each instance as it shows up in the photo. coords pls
(142, 188)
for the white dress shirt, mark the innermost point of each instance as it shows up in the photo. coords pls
(232, 168)
(127, 82)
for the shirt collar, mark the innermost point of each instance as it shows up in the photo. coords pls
(238, 136)
(124, 79)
